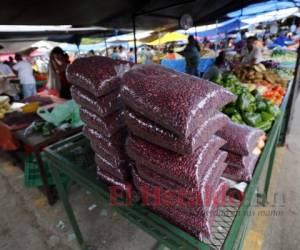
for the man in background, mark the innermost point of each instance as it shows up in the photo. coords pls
(23, 68)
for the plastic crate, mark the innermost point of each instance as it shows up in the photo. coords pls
(32, 175)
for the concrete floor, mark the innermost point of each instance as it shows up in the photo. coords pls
(27, 222)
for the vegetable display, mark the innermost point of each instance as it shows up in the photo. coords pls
(249, 108)
(257, 74)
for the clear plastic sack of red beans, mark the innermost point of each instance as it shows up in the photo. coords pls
(150, 131)
(176, 101)
(199, 225)
(185, 169)
(190, 199)
(241, 174)
(240, 139)
(114, 144)
(102, 106)
(98, 75)
(108, 125)
(238, 161)
(120, 171)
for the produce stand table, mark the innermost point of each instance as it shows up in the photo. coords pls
(233, 218)
(35, 143)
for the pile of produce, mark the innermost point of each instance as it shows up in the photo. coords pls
(4, 106)
(249, 108)
(256, 74)
(173, 119)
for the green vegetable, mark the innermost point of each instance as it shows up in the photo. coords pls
(230, 111)
(246, 102)
(264, 125)
(237, 118)
(273, 109)
(267, 116)
(252, 119)
(261, 106)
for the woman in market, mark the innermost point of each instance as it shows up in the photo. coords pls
(192, 56)
(57, 80)
(251, 54)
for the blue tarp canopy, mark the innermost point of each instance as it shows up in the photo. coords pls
(224, 27)
(262, 8)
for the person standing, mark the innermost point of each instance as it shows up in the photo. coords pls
(251, 54)
(58, 62)
(24, 70)
(192, 56)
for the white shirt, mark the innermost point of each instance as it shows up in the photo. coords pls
(256, 53)
(123, 55)
(25, 72)
(5, 70)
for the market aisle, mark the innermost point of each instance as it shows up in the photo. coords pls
(277, 226)
(283, 231)
(28, 223)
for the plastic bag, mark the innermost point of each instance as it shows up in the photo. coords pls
(96, 74)
(102, 106)
(114, 144)
(155, 134)
(112, 180)
(117, 157)
(241, 174)
(238, 161)
(185, 169)
(108, 125)
(194, 198)
(120, 171)
(240, 139)
(175, 101)
(198, 225)
(61, 113)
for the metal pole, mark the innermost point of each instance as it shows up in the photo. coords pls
(134, 38)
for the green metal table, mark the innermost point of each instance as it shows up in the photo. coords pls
(230, 226)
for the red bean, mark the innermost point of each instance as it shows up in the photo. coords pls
(96, 74)
(240, 139)
(175, 101)
(149, 131)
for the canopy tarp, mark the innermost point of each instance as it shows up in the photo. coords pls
(225, 27)
(169, 37)
(115, 14)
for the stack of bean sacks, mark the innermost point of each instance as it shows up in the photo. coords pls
(172, 119)
(244, 145)
(96, 88)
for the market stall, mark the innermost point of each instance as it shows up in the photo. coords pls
(163, 108)
(62, 160)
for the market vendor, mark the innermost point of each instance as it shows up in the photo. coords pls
(251, 54)
(24, 70)
(217, 69)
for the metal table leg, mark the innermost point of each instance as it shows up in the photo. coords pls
(49, 190)
(68, 208)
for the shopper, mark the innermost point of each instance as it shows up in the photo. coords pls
(131, 55)
(122, 53)
(57, 80)
(148, 56)
(115, 54)
(192, 56)
(251, 54)
(24, 70)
